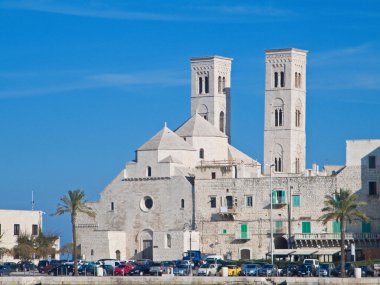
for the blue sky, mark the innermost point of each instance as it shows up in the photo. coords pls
(85, 83)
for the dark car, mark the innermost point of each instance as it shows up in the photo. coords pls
(306, 270)
(62, 269)
(182, 270)
(268, 270)
(5, 270)
(325, 269)
(140, 269)
(249, 269)
(349, 268)
(25, 266)
(290, 270)
(44, 266)
(11, 265)
(107, 269)
(89, 269)
(366, 271)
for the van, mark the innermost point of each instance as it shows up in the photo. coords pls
(313, 262)
(113, 262)
(213, 258)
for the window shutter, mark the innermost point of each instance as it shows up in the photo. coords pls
(306, 228)
(336, 227)
(274, 197)
(366, 227)
(244, 231)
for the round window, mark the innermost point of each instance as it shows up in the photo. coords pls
(146, 203)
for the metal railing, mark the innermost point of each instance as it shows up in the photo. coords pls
(336, 236)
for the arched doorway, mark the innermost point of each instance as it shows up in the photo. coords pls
(146, 244)
(245, 254)
(280, 243)
(117, 252)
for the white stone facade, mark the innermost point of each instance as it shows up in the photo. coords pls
(193, 176)
(16, 222)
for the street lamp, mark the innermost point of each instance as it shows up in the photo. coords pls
(271, 210)
(190, 227)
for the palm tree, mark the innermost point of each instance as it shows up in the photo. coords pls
(74, 203)
(342, 206)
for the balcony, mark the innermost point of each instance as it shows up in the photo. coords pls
(227, 210)
(333, 239)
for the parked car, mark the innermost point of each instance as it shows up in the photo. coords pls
(123, 269)
(306, 270)
(88, 269)
(366, 271)
(62, 269)
(26, 266)
(44, 266)
(140, 269)
(325, 269)
(313, 262)
(290, 270)
(349, 268)
(159, 268)
(268, 270)
(11, 265)
(208, 269)
(181, 270)
(233, 270)
(5, 270)
(249, 269)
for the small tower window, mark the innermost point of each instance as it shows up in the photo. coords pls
(149, 171)
(219, 84)
(297, 165)
(278, 164)
(280, 116)
(118, 256)
(221, 121)
(92, 252)
(112, 206)
(182, 203)
(168, 241)
(276, 79)
(200, 87)
(298, 118)
(282, 79)
(201, 153)
(206, 85)
(224, 84)
(299, 80)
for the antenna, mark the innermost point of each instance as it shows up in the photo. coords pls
(32, 200)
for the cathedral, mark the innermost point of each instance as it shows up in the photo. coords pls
(189, 188)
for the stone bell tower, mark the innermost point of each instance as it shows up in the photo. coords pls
(285, 106)
(210, 91)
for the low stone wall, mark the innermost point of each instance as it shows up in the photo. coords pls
(47, 280)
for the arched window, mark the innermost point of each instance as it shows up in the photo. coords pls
(219, 84)
(278, 155)
(201, 153)
(221, 121)
(206, 85)
(278, 111)
(117, 252)
(203, 111)
(297, 165)
(296, 80)
(299, 80)
(182, 203)
(282, 79)
(168, 241)
(223, 84)
(276, 79)
(149, 171)
(200, 87)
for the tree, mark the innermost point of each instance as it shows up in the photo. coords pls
(30, 247)
(342, 207)
(74, 203)
(3, 250)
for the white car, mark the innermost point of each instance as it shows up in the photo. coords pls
(208, 269)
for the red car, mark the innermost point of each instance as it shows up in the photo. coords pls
(123, 269)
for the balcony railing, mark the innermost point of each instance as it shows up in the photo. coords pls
(227, 210)
(336, 236)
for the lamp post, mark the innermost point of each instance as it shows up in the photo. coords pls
(271, 215)
(190, 227)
